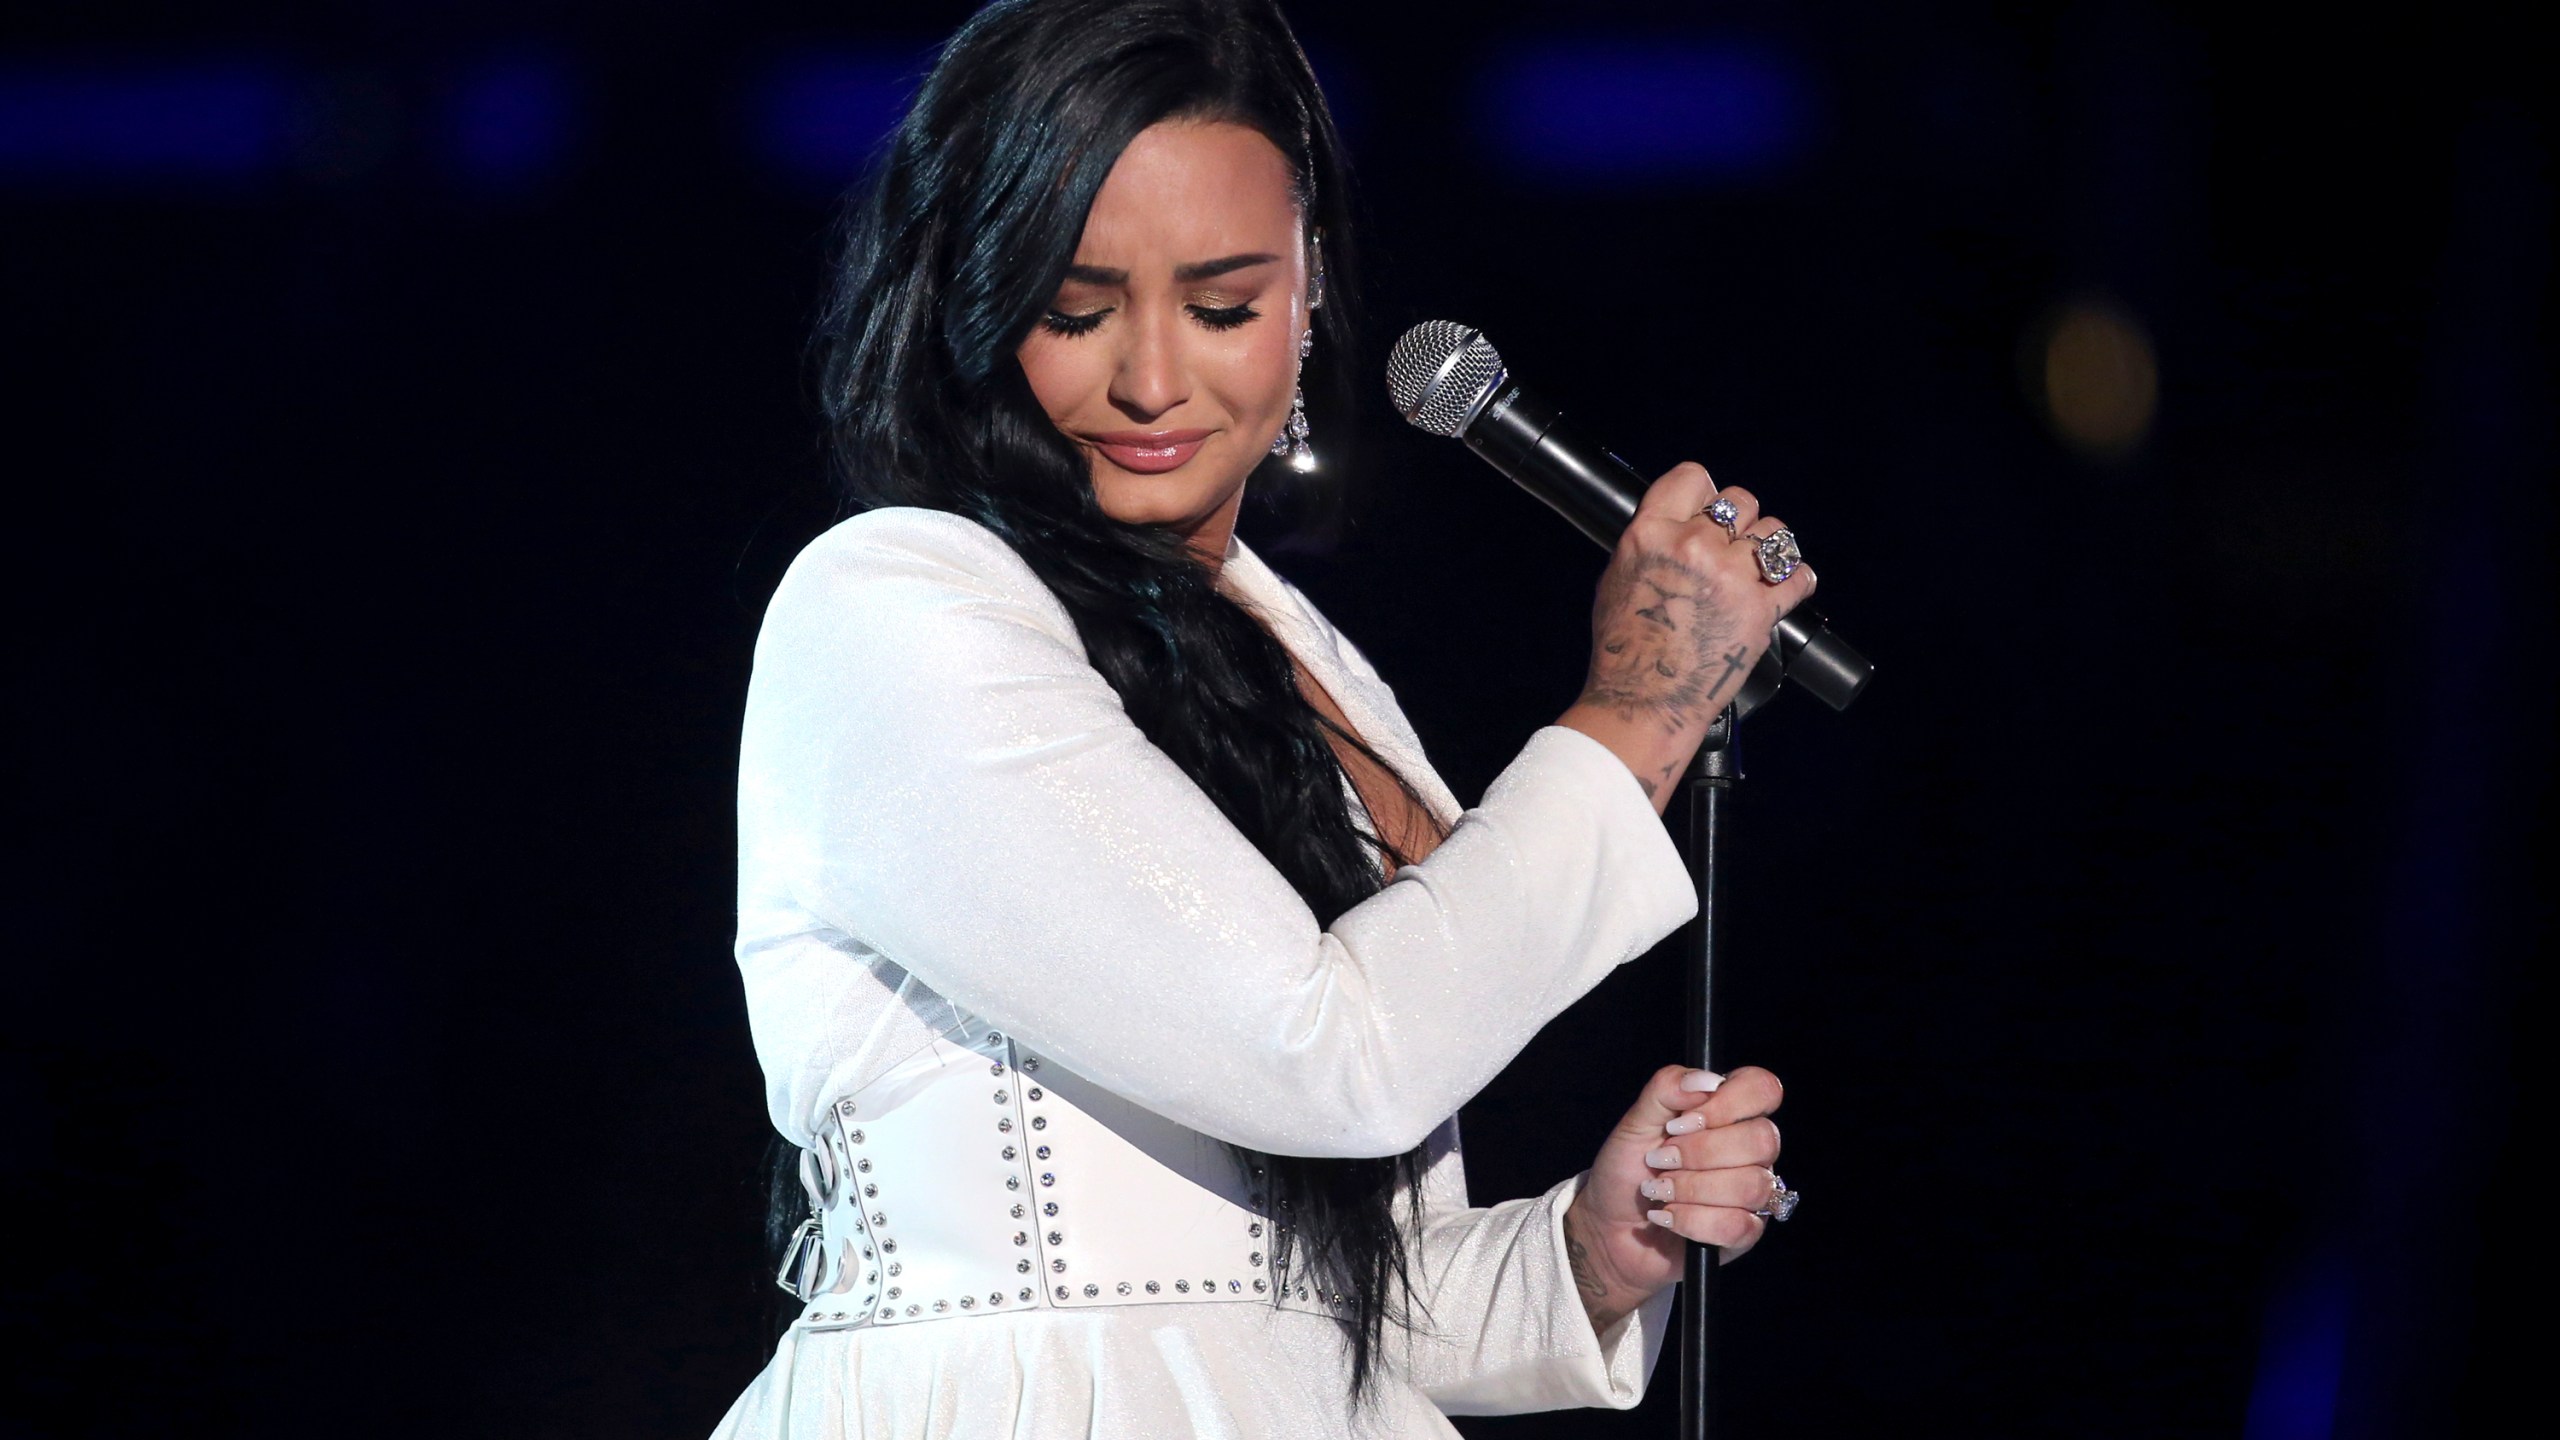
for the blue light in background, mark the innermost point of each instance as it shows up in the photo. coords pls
(2302, 1355)
(509, 120)
(153, 124)
(1607, 111)
(819, 119)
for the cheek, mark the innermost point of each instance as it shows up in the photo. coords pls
(1263, 376)
(1060, 374)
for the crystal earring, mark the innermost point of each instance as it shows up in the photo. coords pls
(1292, 439)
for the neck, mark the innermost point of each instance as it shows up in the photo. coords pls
(1210, 537)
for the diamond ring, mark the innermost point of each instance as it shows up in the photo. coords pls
(1782, 1201)
(1721, 511)
(1778, 555)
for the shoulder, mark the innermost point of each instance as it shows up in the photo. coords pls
(893, 570)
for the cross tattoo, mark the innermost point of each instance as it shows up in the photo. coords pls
(1732, 667)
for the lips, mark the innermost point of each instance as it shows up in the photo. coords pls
(1149, 452)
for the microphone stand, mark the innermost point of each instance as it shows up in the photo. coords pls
(1711, 779)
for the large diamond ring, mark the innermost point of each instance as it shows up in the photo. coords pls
(1782, 1201)
(1721, 511)
(1779, 556)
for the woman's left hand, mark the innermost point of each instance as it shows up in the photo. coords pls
(1698, 1158)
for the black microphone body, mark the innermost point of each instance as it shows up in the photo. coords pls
(1525, 437)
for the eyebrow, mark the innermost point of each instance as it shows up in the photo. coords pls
(1183, 274)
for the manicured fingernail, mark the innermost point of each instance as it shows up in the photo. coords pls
(1705, 1080)
(1656, 1189)
(1662, 1159)
(1659, 1217)
(1683, 1124)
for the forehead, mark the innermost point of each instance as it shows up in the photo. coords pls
(1191, 190)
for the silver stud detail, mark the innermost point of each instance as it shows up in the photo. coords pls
(968, 1302)
(1039, 1122)
(995, 1037)
(870, 1192)
(1035, 1092)
(1049, 1207)
(995, 1297)
(1017, 1212)
(879, 1217)
(1255, 1257)
(1124, 1287)
(1153, 1288)
(1257, 1285)
(1182, 1285)
(911, 1309)
(1254, 1229)
(1021, 1237)
(1026, 1293)
(1042, 1153)
(1007, 1153)
(895, 1291)
(862, 1165)
(1048, 1178)
(1013, 1182)
(1022, 1267)
(889, 1247)
(857, 1137)
(996, 1069)
(1005, 1126)
(897, 1269)
(940, 1306)
(846, 1106)
(1058, 1267)
(1235, 1286)
(1057, 1238)
(1003, 1095)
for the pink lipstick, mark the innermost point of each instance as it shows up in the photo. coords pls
(1150, 452)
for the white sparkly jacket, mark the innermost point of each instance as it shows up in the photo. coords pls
(1012, 975)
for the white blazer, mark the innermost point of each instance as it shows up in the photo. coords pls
(1012, 975)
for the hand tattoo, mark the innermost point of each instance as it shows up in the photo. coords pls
(1658, 644)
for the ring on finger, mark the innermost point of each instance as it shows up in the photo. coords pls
(1722, 511)
(1778, 554)
(1781, 1202)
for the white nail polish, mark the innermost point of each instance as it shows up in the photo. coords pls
(1706, 1081)
(1683, 1124)
(1659, 1217)
(1656, 1189)
(1662, 1159)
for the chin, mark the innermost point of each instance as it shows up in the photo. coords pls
(1155, 500)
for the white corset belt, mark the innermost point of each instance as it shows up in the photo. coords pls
(976, 1179)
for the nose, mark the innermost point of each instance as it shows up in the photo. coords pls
(1151, 377)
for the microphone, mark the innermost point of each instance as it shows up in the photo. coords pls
(1449, 380)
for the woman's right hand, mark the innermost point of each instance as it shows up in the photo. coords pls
(1683, 614)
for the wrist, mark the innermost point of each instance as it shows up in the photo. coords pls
(1653, 750)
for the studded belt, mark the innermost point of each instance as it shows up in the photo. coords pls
(978, 1179)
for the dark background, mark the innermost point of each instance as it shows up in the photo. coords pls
(406, 425)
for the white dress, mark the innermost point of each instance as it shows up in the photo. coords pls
(959, 856)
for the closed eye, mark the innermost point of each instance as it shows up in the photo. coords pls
(1059, 322)
(1224, 317)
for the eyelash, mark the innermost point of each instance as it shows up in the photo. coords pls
(1228, 317)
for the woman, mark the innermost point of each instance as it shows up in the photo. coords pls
(1112, 951)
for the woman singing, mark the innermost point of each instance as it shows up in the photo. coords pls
(1113, 953)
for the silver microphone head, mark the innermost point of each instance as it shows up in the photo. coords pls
(1440, 373)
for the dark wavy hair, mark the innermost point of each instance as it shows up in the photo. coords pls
(955, 250)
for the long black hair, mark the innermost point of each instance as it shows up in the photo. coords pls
(954, 252)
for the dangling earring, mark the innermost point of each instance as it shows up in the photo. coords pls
(1292, 439)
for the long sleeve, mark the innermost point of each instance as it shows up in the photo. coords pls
(932, 773)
